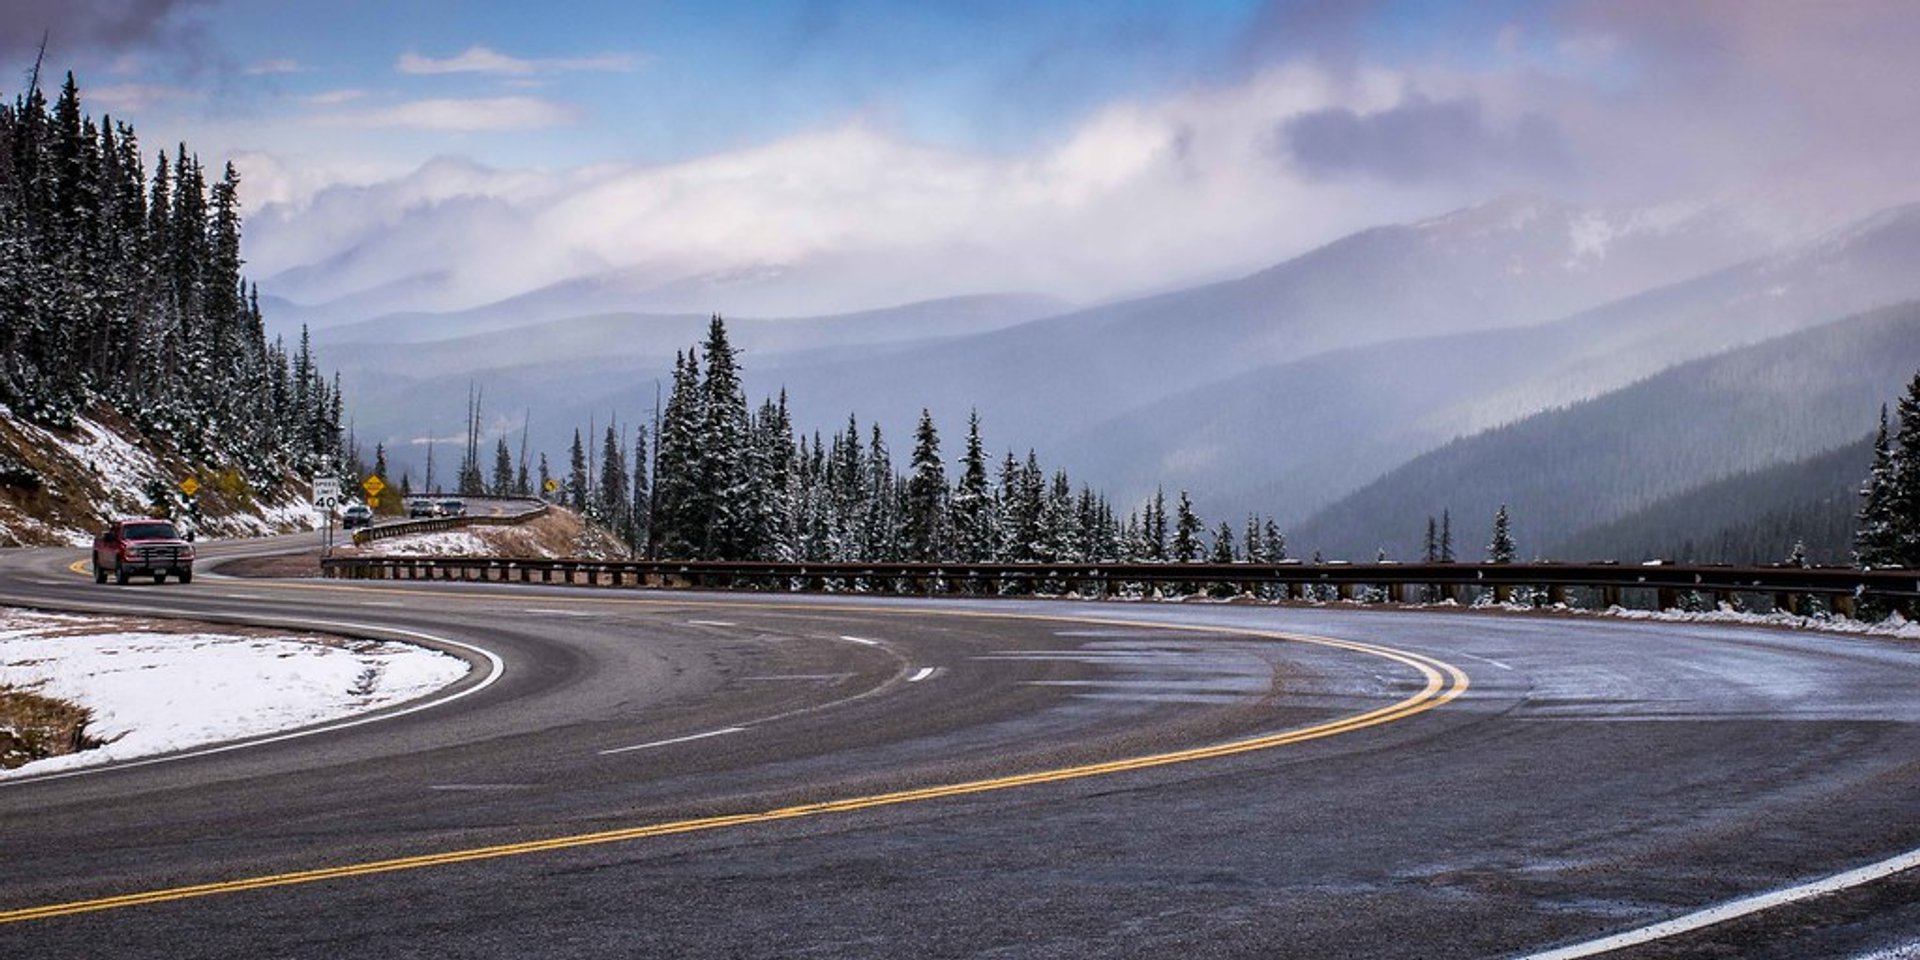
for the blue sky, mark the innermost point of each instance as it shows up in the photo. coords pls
(1072, 147)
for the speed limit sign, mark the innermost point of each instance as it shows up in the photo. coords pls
(326, 493)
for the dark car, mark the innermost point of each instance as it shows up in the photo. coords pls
(358, 515)
(142, 545)
(451, 507)
(420, 507)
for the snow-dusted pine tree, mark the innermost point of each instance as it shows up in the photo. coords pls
(924, 528)
(1186, 532)
(1501, 548)
(1876, 541)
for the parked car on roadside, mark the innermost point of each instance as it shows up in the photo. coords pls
(358, 515)
(142, 545)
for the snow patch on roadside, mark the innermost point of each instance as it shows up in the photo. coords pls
(1893, 626)
(445, 543)
(155, 692)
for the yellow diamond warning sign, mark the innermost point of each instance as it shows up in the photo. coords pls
(190, 486)
(373, 485)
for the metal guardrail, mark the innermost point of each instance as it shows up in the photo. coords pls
(401, 528)
(1841, 589)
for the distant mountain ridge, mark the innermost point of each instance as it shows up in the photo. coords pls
(1569, 469)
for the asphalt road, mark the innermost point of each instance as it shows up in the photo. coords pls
(716, 775)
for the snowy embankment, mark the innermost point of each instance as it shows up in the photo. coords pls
(155, 687)
(97, 470)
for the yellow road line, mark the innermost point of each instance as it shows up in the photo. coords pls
(1443, 683)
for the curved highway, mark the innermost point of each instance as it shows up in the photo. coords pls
(719, 775)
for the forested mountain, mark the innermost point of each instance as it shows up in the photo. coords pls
(1752, 518)
(121, 291)
(1569, 469)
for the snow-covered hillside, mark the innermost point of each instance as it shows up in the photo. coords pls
(64, 484)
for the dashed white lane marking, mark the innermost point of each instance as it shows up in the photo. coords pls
(815, 677)
(711, 623)
(863, 640)
(242, 596)
(663, 743)
(1735, 909)
(382, 603)
(1491, 660)
(544, 612)
(923, 674)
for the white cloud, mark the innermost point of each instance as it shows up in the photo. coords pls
(478, 59)
(483, 114)
(1136, 195)
(134, 97)
(333, 98)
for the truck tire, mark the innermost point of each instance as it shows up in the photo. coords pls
(186, 576)
(99, 573)
(120, 575)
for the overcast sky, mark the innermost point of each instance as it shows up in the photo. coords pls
(1083, 149)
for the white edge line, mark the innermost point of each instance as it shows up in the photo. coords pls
(662, 743)
(1735, 909)
(870, 643)
(924, 673)
(496, 666)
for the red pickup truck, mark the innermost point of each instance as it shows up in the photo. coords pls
(142, 545)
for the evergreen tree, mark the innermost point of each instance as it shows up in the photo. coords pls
(1501, 548)
(679, 507)
(1187, 529)
(502, 469)
(1223, 551)
(1276, 543)
(611, 503)
(924, 529)
(641, 510)
(1156, 526)
(972, 520)
(1446, 536)
(1431, 550)
(1904, 494)
(725, 481)
(576, 482)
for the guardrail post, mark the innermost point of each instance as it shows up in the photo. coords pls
(1844, 605)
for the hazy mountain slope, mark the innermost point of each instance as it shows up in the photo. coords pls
(1511, 263)
(1751, 518)
(1289, 439)
(1569, 469)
